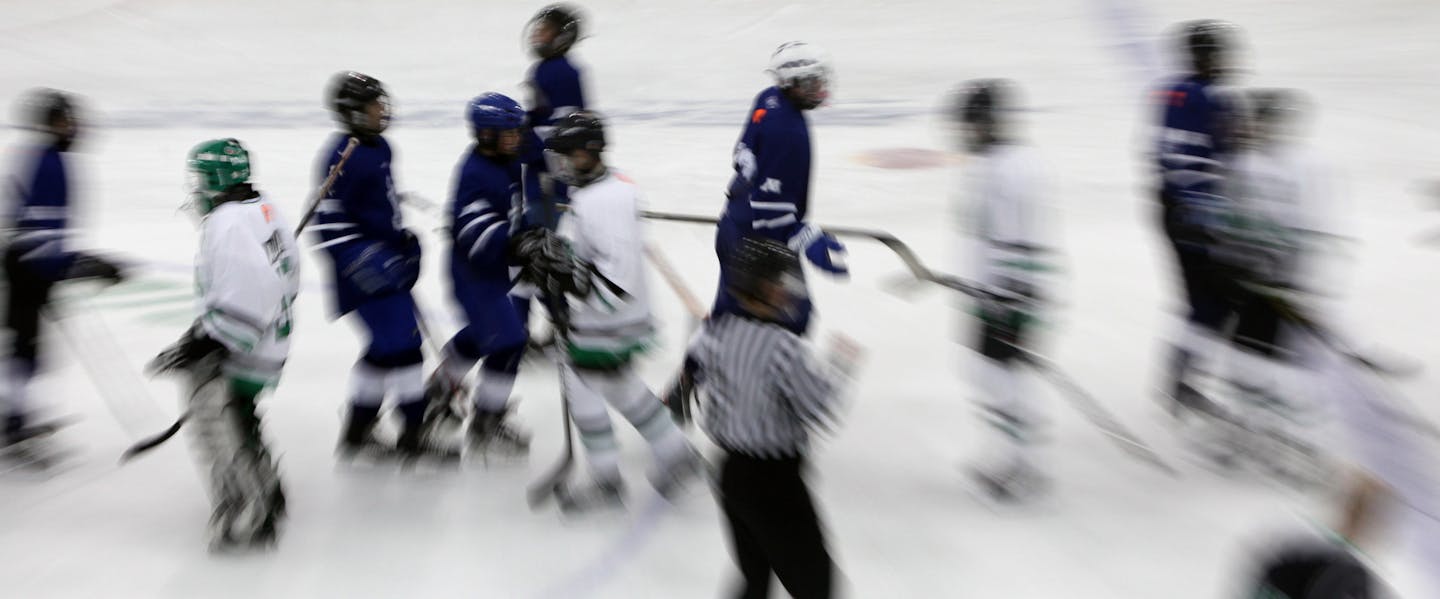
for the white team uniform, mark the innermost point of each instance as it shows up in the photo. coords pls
(1288, 187)
(603, 228)
(248, 274)
(1006, 244)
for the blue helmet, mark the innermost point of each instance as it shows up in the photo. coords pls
(491, 110)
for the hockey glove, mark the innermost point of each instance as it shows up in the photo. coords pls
(185, 355)
(377, 270)
(545, 260)
(821, 249)
(88, 266)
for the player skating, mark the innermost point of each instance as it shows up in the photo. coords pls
(376, 261)
(38, 255)
(769, 194)
(611, 324)
(1008, 247)
(247, 276)
(484, 216)
(1190, 147)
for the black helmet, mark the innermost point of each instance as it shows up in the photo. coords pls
(581, 130)
(1203, 41)
(51, 111)
(980, 106)
(350, 94)
(758, 261)
(565, 20)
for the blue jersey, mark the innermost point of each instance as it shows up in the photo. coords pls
(555, 92)
(1191, 138)
(483, 214)
(40, 213)
(769, 194)
(358, 223)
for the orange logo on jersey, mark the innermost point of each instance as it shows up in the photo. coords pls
(759, 114)
(265, 209)
(1174, 97)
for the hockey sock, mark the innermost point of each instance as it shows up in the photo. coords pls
(407, 385)
(587, 409)
(367, 386)
(648, 416)
(17, 400)
(492, 391)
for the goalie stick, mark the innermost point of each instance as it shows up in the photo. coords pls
(1080, 399)
(151, 442)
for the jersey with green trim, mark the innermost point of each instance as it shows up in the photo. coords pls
(603, 228)
(1008, 233)
(247, 274)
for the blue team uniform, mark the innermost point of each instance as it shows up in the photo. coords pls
(41, 217)
(556, 92)
(483, 213)
(769, 194)
(376, 261)
(1189, 154)
(36, 257)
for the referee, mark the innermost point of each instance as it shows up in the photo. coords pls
(766, 393)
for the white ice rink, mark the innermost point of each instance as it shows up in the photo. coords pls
(677, 77)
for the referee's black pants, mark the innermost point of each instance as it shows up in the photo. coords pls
(774, 527)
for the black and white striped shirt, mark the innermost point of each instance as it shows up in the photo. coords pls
(765, 389)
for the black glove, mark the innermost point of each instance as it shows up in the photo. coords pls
(186, 354)
(545, 260)
(88, 266)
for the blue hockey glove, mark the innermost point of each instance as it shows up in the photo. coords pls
(821, 249)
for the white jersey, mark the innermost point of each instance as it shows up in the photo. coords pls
(1283, 191)
(248, 274)
(1006, 237)
(603, 227)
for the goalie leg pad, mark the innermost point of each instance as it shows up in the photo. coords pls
(244, 482)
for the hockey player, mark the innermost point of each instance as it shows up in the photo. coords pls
(247, 275)
(484, 215)
(1191, 144)
(37, 256)
(376, 262)
(1009, 247)
(769, 195)
(612, 324)
(766, 392)
(556, 90)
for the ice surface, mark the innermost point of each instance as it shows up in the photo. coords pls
(161, 75)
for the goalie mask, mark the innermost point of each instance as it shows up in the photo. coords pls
(215, 168)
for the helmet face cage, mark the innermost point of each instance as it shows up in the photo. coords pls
(803, 72)
(352, 95)
(552, 31)
(213, 168)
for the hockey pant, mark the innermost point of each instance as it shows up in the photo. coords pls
(588, 390)
(495, 334)
(774, 527)
(244, 484)
(27, 295)
(727, 238)
(392, 363)
(1007, 401)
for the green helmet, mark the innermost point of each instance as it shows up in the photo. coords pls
(215, 166)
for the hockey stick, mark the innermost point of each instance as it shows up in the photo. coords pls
(680, 394)
(917, 268)
(545, 487)
(1096, 413)
(1289, 311)
(325, 186)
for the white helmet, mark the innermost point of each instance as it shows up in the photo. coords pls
(794, 62)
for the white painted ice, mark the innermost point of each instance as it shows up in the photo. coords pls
(677, 76)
